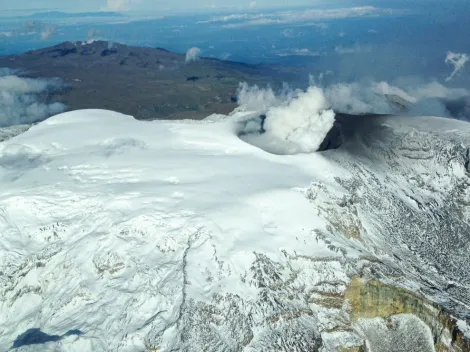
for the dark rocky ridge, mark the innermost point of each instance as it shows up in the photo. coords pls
(143, 82)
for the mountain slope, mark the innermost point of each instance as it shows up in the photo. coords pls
(179, 236)
(147, 83)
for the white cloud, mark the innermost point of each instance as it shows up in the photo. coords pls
(288, 33)
(299, 52)
(262, 21)
(287, 17)
(320, 25)
(458, 60)
(355, 49)
(252, 4)
(192, 54)
(20, 103)
(229, 18)
(120, 5)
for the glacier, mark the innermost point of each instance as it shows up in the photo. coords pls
(126, 235)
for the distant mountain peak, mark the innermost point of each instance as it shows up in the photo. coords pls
(103, 48)
(155, 82)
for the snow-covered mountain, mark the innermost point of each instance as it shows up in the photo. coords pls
(124, 235)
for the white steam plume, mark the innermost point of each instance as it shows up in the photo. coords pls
(303, 122)
(94, 34)
(48, 31)
(20, 102)
(296, 121)
(192, 54)
(360, 98)
(458, 60)
(45, 30)
(405, 97)
(254, 98)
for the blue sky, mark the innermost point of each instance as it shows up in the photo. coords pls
(353, 38)
(165, 6)
(172, 6)
(401, 42)
(144, 5)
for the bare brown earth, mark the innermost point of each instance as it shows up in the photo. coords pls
(147, 83)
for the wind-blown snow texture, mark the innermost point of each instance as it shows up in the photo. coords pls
(168, 236)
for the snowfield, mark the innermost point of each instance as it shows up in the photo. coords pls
(123, 235)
